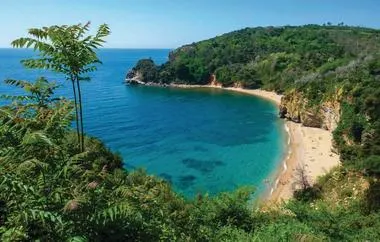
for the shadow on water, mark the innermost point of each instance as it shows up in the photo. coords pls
(167, 177)
(203, 166)
(200, 148)
(186, 181)
(128, 166)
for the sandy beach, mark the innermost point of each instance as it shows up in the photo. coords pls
(307, 147)
(271, 96)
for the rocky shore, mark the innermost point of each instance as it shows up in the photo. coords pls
(296, 108)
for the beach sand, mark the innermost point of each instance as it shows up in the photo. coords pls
(271, 96)
(309, 148)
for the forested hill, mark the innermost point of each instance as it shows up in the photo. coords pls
(270, 57)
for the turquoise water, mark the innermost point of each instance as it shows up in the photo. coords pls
(200, 140)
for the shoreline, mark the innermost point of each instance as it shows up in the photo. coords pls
(306, 147)
(270, 96)
(309, 148)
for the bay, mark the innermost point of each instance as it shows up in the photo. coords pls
(201, 140)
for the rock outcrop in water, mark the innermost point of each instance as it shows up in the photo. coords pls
(134, 77)
(144, 73)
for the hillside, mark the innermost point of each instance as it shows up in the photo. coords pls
(271, 57)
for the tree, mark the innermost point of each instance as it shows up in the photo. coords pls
(69, 50)
(148, 70)
(304, 191)
(301, 177)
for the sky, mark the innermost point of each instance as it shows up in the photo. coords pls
(172, 23)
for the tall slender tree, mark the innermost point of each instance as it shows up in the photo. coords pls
(66, 49)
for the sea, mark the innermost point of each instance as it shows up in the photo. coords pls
(201, 140)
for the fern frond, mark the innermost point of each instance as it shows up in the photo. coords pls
(78, 239)
(35, 138)
(113, 213)
(42, 216)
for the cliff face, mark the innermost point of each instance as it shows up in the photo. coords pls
(295, 107)
(214, 82)
(331, 114)
(134, 77)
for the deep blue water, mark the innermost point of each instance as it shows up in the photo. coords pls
(200, 140)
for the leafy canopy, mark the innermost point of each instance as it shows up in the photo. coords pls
(64, 49)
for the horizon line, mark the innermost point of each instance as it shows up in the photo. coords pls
(109, 48)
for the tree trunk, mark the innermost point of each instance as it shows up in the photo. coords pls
(76, 112)
(81, 115)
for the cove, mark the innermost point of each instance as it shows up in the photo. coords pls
(200, 140)
(203, 139)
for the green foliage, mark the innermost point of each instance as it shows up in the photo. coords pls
(64, 49)
(39, 92)
(243, 75)
(372, 164)
(357, 135)
(308, 194)
(277, 56)
(68, 50)
(338, 223)
(288, 230)
(372, 196)
(147, 69)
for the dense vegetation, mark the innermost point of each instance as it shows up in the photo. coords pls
(52, 190)
(272, 57)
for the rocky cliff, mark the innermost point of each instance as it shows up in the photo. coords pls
(134, 77)
(295, 107)
(214, 82)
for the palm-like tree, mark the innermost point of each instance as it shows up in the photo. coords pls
(69, 50)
